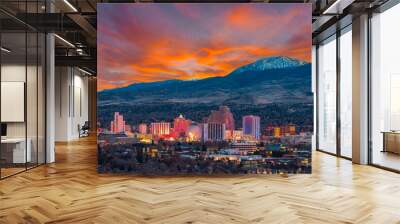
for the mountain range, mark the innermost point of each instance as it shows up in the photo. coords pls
(268, 80)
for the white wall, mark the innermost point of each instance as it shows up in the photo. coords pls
(12, 73)
(71, 103)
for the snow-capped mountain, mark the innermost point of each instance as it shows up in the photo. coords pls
(278, 62)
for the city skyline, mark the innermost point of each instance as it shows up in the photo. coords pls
(181, 126)
(195, 47)
(222, 115)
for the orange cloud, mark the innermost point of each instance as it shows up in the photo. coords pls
(246, 17)
(189, 41)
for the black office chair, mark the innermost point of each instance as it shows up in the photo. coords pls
(84, 130)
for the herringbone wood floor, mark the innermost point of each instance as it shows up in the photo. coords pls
(70, 191)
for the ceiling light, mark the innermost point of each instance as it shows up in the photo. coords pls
(70, 5)
(64, 40)
(5, 50)
(331, 7)
(79, 51)
(338, 6)
(84, 71)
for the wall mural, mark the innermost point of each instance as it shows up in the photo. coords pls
(204, 89)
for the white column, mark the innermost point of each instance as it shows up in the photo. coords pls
(360, 90)
(50, 92)
(50, 99)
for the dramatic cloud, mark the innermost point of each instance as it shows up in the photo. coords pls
(154, 42)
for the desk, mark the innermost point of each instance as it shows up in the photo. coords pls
(16, 147)
(391, 141)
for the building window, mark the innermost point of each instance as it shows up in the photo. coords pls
(327, 95)
(346, 92)
(385, 89)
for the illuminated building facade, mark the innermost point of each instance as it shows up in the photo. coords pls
(269, 130)
(291, 129)
(213, 132)
(181, 126)
(223, 116)
(251, 126)
(277, 132)
(237, 135)
(194, 132)
(160, 128)
(118, 124)
(142, 128)
(244, 147)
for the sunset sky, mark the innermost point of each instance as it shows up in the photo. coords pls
(152, 42)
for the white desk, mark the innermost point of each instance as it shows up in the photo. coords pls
(19, 153)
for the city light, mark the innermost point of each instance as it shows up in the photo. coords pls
(183, 140)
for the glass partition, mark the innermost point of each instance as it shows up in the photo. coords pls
(13, 94)
(385, 89)
(327, 95)
(22, 78)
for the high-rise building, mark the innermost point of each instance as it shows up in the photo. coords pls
(223, 116)
(118, 124)
(181, 126)
(160, 128)
(251, 126)
(213, 132)
(142, 128)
